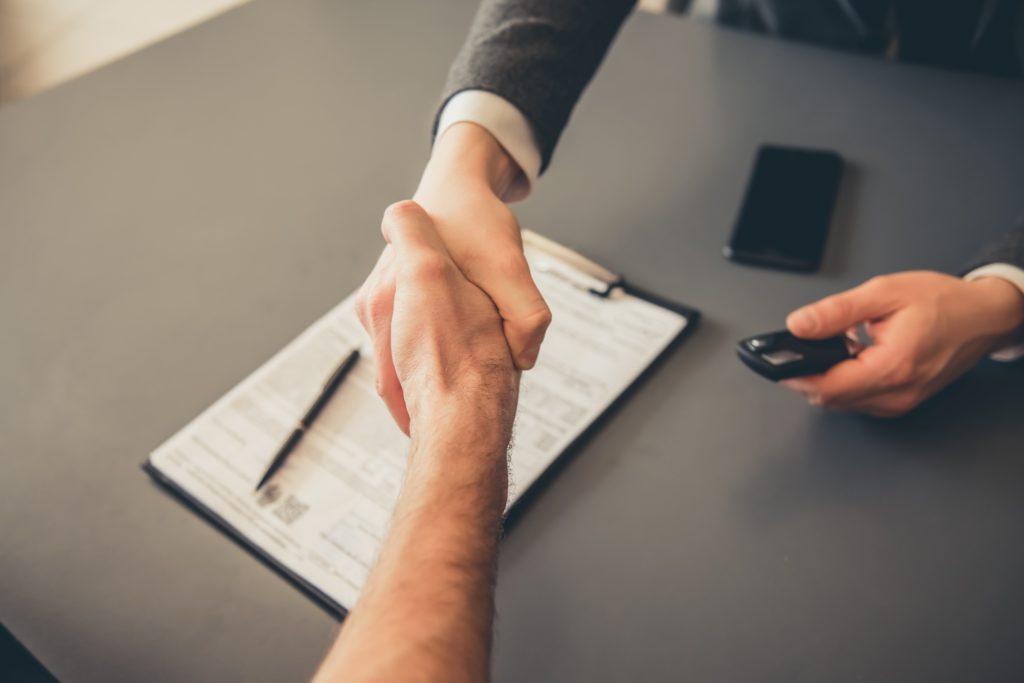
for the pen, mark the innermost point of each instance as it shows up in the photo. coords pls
(293, 440)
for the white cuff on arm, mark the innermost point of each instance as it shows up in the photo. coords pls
(508, 126)
(1013, 275)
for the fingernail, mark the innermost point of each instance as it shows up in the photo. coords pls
(802, 320)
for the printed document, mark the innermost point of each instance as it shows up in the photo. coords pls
(324, 515)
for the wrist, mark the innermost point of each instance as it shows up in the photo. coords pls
(458, 422)
(454, 450)
(467, 155)
(1001, 306)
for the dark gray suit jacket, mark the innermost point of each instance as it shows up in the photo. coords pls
(540, 54)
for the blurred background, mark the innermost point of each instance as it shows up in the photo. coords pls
(44, 43)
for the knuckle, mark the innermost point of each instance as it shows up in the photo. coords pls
(511, 263)
(398, 215)
(538, 321)
(429, 267)
(881, 285)
(902, 372)
(402, 209)
(879, 282)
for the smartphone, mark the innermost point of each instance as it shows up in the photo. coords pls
(786, 210)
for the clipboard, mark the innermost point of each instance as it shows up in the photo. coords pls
(609, 281)
(566, 268)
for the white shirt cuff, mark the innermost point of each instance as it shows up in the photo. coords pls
(1013, 275)
(508, 126)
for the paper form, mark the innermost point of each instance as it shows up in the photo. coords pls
(325, 513)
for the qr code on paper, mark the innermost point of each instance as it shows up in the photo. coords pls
(290, 510)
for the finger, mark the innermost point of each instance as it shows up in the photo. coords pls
(382, 271)
(836, 314)
(525, 315)
(422, 265)
(388, 386)
(804, 385)
(375, 313)
(851, 381)
(810, 387)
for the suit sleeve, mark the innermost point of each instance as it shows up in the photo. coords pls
(1004, 259)
(1009, 249)
(538, 55)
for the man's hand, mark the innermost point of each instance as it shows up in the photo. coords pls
(444, 336)
(928, 329)
(461, 190)
(427, 609)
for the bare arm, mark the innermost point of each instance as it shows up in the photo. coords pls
(427, 609)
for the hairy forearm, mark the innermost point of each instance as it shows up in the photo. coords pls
(427, 609)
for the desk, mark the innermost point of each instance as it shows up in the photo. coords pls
(172, 220)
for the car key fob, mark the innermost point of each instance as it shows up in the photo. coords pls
(781, 355)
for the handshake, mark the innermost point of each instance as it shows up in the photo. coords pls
(452, 308)
(454, 315)
(440, 348)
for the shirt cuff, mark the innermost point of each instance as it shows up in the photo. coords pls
(508, 126)
(1015, 276)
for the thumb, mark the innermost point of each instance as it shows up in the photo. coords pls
(836, 314)
(524, 313)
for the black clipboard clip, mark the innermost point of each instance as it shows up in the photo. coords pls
(596, 279)
(599, 281)
(605, 292)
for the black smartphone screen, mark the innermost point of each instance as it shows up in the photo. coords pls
(784, 219)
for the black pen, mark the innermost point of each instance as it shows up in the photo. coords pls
(293, 440)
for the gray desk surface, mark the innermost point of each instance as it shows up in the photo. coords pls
(172, 220)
